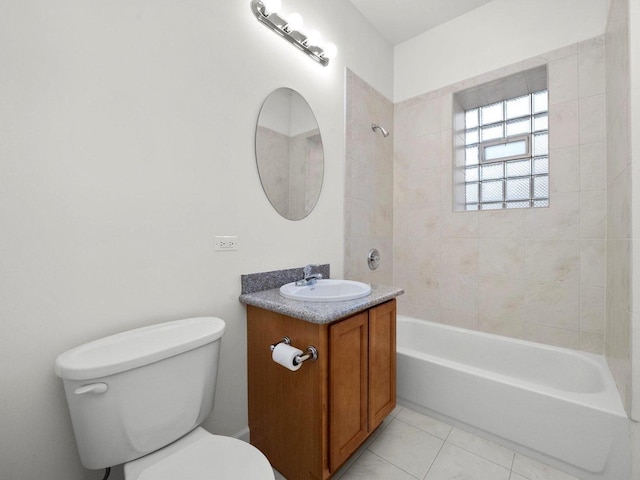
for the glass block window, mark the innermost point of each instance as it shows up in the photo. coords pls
(507, 154)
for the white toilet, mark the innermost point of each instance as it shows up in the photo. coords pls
(138, 398)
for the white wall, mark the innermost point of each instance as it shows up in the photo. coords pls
(474, 43)
(126, 144)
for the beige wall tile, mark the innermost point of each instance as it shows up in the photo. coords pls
(402, 253)
(361, 217)
(423, 118)
(552, 336)
(424, 220)
(592, 77)
(423, 288)
(424, 255)
(416, 153)
(560, 220)
(383, 213)
(563, 79)
(419, 311)
(593, 214)
(360, 179)
(592, 309)
(564, 129)
(460, 319)
(459, 256)
(618, 141)
(552, 260)
(619, 206)
(592, 119)
(400, 222)
(619, 272)
(446, 147)
(564, 168)
(502, 257)
(591, 343)
(592, 262)
(446, 187)
(501, 326)
(446, 111)
(593, 167)
(501, 299)
(459, 293)
(553, 305)
(502, 223)
(423, 186)
(458, 224)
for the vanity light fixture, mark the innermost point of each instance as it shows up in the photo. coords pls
(266, 11)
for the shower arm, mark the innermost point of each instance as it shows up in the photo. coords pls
(375, 126)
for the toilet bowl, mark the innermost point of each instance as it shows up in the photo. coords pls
(144, 393)
(201, 455)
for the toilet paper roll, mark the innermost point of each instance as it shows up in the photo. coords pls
(284, 355)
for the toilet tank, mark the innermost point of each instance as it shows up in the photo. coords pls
(135, 392)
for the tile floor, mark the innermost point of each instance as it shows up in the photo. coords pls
(410, 446)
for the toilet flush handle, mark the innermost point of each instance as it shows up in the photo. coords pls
(92, 388)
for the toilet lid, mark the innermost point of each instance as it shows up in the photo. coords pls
(211, 457)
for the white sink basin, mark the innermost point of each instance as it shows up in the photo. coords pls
(327, 290)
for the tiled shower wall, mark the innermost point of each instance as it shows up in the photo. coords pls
(619, 242)
(369, 183)
(537, 274)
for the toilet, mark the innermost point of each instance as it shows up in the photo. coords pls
(139, 398)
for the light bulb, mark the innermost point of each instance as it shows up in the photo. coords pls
(313, 37)
(294, 22)
(271, 6)
(330, 50)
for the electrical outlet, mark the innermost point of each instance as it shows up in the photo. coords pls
(226, 243)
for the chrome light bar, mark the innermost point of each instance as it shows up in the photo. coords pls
(284, 28)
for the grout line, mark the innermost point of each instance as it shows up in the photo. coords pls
(513, 460)
(446, 440)
(425, 431)
(483, 458)
(391, 463)
(434, 460)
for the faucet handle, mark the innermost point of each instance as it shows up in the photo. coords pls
(308, 269)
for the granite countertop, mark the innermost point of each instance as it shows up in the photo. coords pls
(319, 312)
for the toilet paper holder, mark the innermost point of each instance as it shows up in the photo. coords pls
(310, 354)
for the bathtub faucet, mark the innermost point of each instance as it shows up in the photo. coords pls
(309, 278)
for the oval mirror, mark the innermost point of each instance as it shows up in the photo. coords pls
(289, 153)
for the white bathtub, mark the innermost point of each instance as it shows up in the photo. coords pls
(554, 404)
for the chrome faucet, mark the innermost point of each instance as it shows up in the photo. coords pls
(309, 278)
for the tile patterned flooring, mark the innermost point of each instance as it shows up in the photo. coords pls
(410, 446)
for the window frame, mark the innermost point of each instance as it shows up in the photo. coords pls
(476, 182)
(482, 146)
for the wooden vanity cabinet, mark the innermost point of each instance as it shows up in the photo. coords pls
(309, 422)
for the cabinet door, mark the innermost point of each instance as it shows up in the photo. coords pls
(287, 410)
(382, 362)
(348, 372)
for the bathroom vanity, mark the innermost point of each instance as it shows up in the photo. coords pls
(310, 421)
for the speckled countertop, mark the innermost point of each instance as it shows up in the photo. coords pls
(319, 312)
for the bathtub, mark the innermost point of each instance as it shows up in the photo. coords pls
(556, 405)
